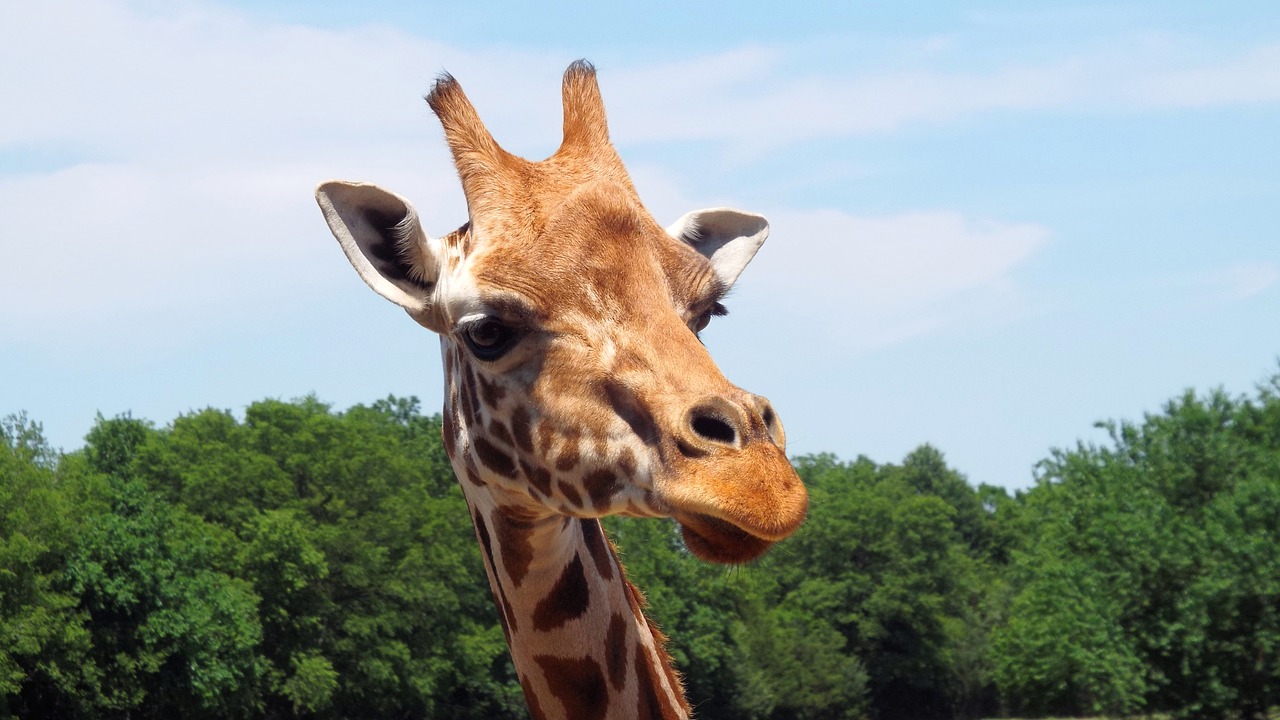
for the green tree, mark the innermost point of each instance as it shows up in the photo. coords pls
(350, 529)
(42, 631)
(173, 633)
(1146, 575)
(890, 561)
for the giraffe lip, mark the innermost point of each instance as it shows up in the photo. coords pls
(720, 541)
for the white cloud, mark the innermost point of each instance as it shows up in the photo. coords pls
(203, 133)
(1211, 287)
(913, 258)
(889, 278)
(197, 80)
(1246, 281)
(196, 138)
(1228, 284)
(748, 97)
(881, 279)
(108, 76)
(1250, 78)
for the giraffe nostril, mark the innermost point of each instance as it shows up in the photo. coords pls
(713, 429)
(772, 424)
(714, 424)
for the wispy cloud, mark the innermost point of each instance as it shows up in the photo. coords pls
(753, 102)
(197, 133)
(888, 278)
(198, 76)
(198, 80)
(201, 133)
(1245, 281)
(1233, 283)
(1252, 77)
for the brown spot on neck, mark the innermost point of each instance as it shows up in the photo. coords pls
(568, 600)
(531, 699)
(513, 533)
(505, 613)
(601, 556)
(473, 473)
(616, 653)
(578, 684)
(448, 433)
(545, 438)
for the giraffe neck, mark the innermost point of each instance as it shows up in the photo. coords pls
(580, 641)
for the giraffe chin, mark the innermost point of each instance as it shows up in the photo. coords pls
(718, 541)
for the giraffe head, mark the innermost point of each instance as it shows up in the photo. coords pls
(575, 380)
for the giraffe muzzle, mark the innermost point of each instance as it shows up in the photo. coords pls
(734, 492)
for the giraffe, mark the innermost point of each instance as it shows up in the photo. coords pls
(576, 387)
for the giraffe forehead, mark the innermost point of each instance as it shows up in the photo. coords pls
(593, 255)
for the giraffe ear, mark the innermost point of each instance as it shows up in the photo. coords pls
(728, 238)
(380, 233)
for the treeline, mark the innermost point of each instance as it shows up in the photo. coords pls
(303, 562)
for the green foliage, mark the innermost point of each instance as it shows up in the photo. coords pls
(888, 566)
(351, 531)
(302, 562)
(744, 652)
(311, 685)
(169, 627)
(41, 629)
(1148, 575)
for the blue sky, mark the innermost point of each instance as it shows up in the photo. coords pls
(993, 225)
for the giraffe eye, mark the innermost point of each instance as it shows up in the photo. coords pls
(489, 338)
(699, 323)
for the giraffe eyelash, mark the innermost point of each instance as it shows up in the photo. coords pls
(700, 321)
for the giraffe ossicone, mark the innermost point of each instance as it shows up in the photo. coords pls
(576, 387)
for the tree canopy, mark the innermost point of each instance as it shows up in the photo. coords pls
(305, 562)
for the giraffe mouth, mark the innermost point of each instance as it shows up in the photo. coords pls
(719, 541)
(735, 507)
